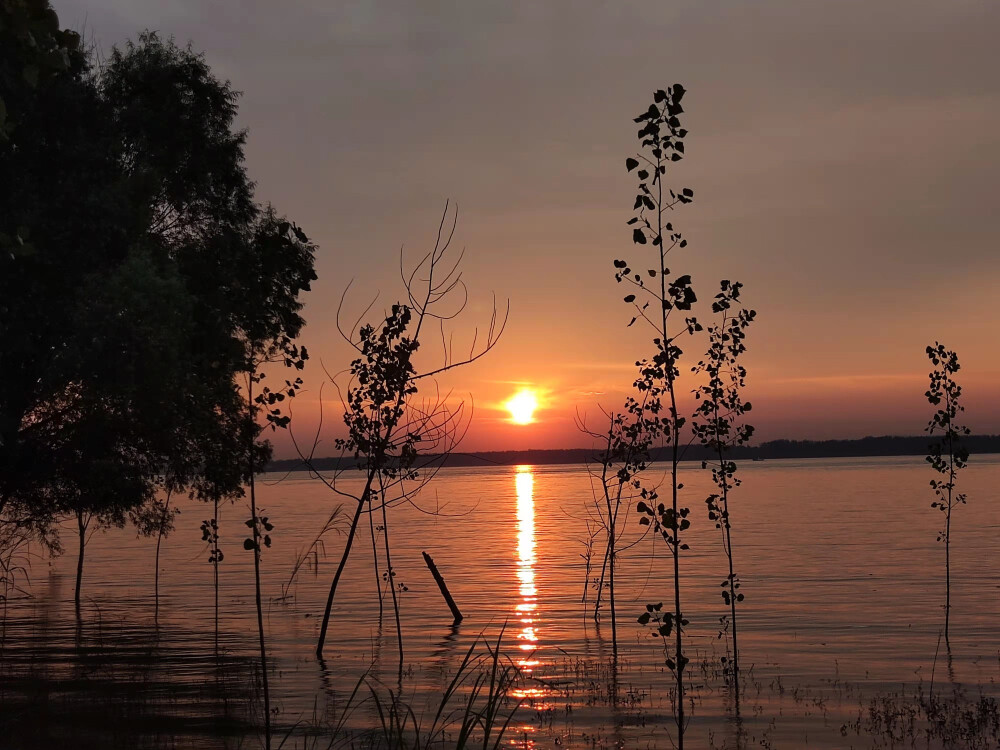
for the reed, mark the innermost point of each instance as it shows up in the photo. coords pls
(475, 709)
(334, 523)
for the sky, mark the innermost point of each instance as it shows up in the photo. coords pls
(845, 158)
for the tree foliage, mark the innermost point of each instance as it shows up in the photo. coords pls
(138, 279)
(33, 51)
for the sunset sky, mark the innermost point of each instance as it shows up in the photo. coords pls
(845, 158)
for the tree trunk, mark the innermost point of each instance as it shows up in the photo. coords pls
(675, 436)
(678, 615)
(727, 531)
(392, 583)
(732, 603)
(343, 563)
(82, 528)
(215, 569)
(600, 586)
(378, 580)
(947, 572)
(156, 574)
(611, 581)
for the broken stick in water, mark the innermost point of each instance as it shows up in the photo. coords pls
(444, 588)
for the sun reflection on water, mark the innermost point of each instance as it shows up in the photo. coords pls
(527, 606)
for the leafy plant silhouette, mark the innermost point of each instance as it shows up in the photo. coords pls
(948, 454)
(655, 302)
(718, 425)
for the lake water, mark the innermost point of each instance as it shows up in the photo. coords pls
(843, 577)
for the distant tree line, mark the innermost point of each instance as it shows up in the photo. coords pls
(885, 445)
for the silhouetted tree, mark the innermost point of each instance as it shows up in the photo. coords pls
(131, 280)
(948, 454)
(390, 423)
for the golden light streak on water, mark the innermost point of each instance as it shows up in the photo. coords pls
(526, 609)
(524, 484)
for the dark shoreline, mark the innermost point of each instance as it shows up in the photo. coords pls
(887, 445)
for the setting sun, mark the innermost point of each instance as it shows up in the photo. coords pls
(522, 407)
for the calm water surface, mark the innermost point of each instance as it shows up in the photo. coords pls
(842, 575)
